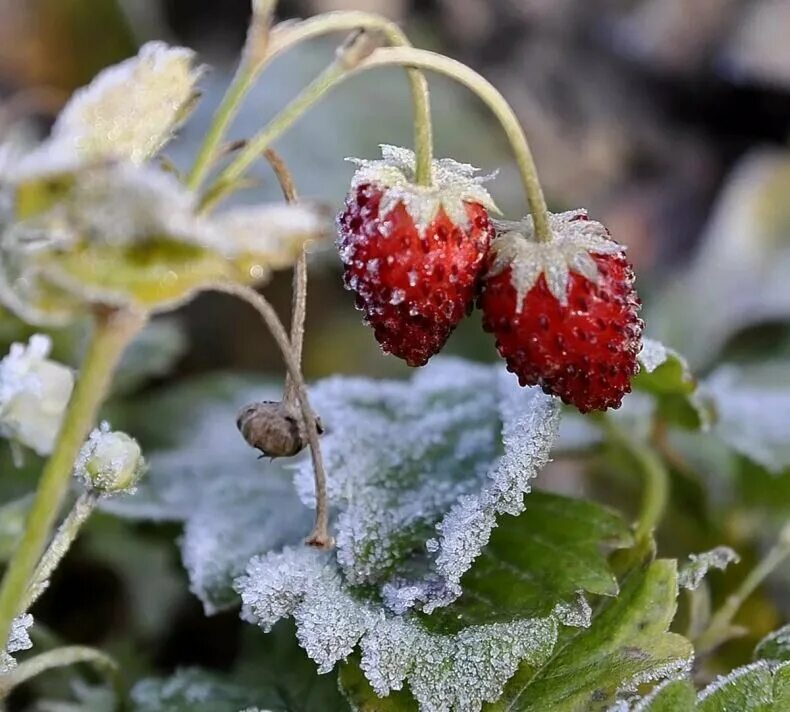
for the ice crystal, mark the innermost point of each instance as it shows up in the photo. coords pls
(34, 393)
(420, 470)
(748, 687)
(130, 110)
(691, 575)
(575, 239)
(458, 671)
(18, 640)
(453, 185)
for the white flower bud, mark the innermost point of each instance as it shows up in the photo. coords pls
(34, 393)
(110, 461)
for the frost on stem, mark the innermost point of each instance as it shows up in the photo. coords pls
(110, 462)
(692, 574)
(458, 671)
(18, 640)
(34, 393)
(426, 466)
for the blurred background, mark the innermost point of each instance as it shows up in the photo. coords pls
(667, 119)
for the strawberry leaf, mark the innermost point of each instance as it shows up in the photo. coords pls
(626, 644)
(775, 646)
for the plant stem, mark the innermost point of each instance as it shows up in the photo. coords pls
(63, 539)
(656, 488)
(299, 306)
(60, 657)
(320, 536)
(288, 35)
(113, 330)
(403, 56)
(719, 628)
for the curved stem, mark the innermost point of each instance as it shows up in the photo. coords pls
(385, 57)
(60, 657)
(59, 546)
(288, 35)
(113, 330)
(656, 488)
(299, 306)
(718, 631)
(320, 536)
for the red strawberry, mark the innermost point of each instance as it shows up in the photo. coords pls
(413, 254)
(564, 312)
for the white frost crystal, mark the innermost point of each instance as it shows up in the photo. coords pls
(574, 239)
(18, 639)
(34, 393)
(458, 671)
(453, 185)
(110, 461)
(130, 110)
(405, 459)
(692, 574)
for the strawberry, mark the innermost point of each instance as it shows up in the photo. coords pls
(413, 254)
(564, 312)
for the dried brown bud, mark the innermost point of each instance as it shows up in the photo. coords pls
(274, 428)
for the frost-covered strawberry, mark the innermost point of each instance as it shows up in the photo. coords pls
(564, 311)
(413, 254)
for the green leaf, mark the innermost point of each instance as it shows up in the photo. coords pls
(626, 644)
(363, 697)
(775, 646)
(759, 687)
(671, 696)
(549, 554)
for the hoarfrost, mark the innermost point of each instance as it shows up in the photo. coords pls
(418, 473)
(458, 671)
(18, 639)
(130, 110)
(691, 575)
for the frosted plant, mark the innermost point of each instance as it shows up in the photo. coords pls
(694, 572)
(457, 671)
(110, 462)
(18, 640)
(419, 472)
(34, 393)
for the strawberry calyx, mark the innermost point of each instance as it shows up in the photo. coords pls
(453, 186)
(575, 239)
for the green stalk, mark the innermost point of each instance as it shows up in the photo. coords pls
(398, 56)
(113, 330)
(288, 35)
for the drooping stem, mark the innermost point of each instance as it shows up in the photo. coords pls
(403, 56)
(61, 657)
(113, 330)
(288, 35)
(299, 304)
(656, 481)
(60, 544)
(320, 536)
(719, 627)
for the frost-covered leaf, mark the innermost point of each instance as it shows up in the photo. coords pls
(775, 646)
(626, 644)
(555, 550)
(195, 690)
(420, 471)
(691, 574)
(752, 414)
(669, 696)
(18, 640)
(739, 277)
(122, 234)
(665, 374)
(203, 474)
(456, 671)
(759, 687)
(129, 110)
